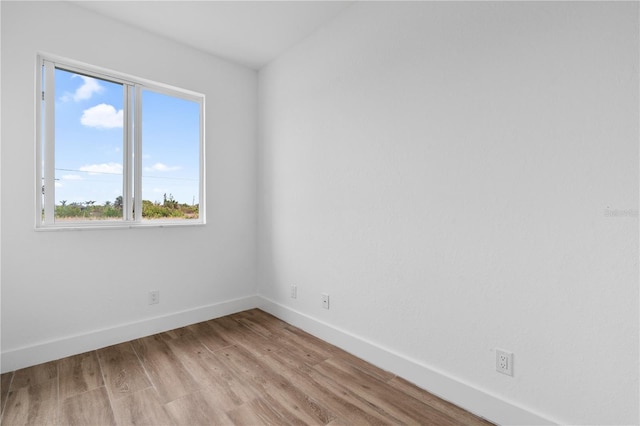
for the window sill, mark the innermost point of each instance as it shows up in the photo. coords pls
(136, 225)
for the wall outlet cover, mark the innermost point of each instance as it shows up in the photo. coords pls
(325, 301)
(154, 297)
(504, 362)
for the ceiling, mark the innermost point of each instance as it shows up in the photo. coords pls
(252, 33)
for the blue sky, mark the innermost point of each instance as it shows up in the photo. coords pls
(89, 142)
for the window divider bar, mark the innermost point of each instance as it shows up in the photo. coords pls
(127, 161)
(137, 152)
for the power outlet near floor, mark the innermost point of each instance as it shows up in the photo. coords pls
(154, 297)
(504, 362)
(325, 300)
(294, 292)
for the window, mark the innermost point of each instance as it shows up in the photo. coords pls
(116, 151)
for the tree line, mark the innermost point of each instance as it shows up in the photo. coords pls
(169, 208)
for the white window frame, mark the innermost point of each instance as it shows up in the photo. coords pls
(132, 146)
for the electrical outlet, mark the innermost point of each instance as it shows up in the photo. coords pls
(154, 297)
(504, 362)
(325, 300)
(294, 292)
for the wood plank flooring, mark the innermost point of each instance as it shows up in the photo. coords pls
(248, 368)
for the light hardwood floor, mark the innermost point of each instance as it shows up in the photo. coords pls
(248, 368)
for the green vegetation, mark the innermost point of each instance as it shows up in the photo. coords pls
(169, 208)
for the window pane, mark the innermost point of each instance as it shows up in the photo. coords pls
(88, 147)
(170, 157)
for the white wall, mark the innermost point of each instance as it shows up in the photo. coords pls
(460, 177)
(65, 292)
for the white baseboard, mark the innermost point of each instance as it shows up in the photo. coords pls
(96, 339)
(462, 394)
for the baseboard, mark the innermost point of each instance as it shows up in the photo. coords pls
(453, 390)
(96, 339)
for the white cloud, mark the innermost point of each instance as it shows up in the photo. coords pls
(159, 167)
(88, 88)
(71, 177)
(104, 168)
(84, 92)
(102, 116)
(57, 184)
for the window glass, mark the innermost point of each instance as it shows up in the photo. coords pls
(170, 157)
(88, 147)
